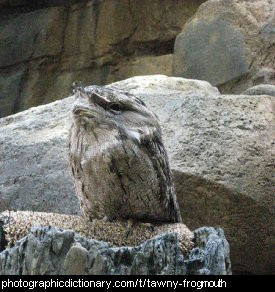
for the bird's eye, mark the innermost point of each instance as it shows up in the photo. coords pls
(115, 107)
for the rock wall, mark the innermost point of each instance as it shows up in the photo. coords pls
(221, 152)
(46, 45)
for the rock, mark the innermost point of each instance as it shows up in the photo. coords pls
(215, 142)
(264, 76)
(50, 250)
(3, 241)
(11, 85)
(220, 149)
(137, 66)
(226, 43)
(47, 45)
(40, 135)
(38, 42)
(261, 89)
(42, 42)
(76, 260)
(153, 84)
(212, 252)
(28, 142)
(16, 6)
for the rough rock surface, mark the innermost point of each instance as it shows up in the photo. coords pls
(261, 89)
(220, 148)
(46, 45)
(227, 43)
(221, 151)
(34, 169)
(49, 250)
(211, 253)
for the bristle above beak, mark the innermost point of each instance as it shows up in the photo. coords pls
(98, 99)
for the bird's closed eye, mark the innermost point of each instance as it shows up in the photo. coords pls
(116, 108)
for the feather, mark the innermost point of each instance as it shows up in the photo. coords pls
(118, 160)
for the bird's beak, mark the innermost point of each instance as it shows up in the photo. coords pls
(80, 111)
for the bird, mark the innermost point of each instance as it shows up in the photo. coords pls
(118, 160)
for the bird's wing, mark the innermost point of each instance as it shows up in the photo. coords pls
(156, 150)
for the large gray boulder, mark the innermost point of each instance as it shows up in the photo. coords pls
(227, 43)
(34, 170)
(220, 148)
(221, 151)
(52, 251)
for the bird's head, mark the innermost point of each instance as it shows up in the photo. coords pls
(107, 108)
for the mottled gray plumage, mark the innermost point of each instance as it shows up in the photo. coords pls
(118, 160)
